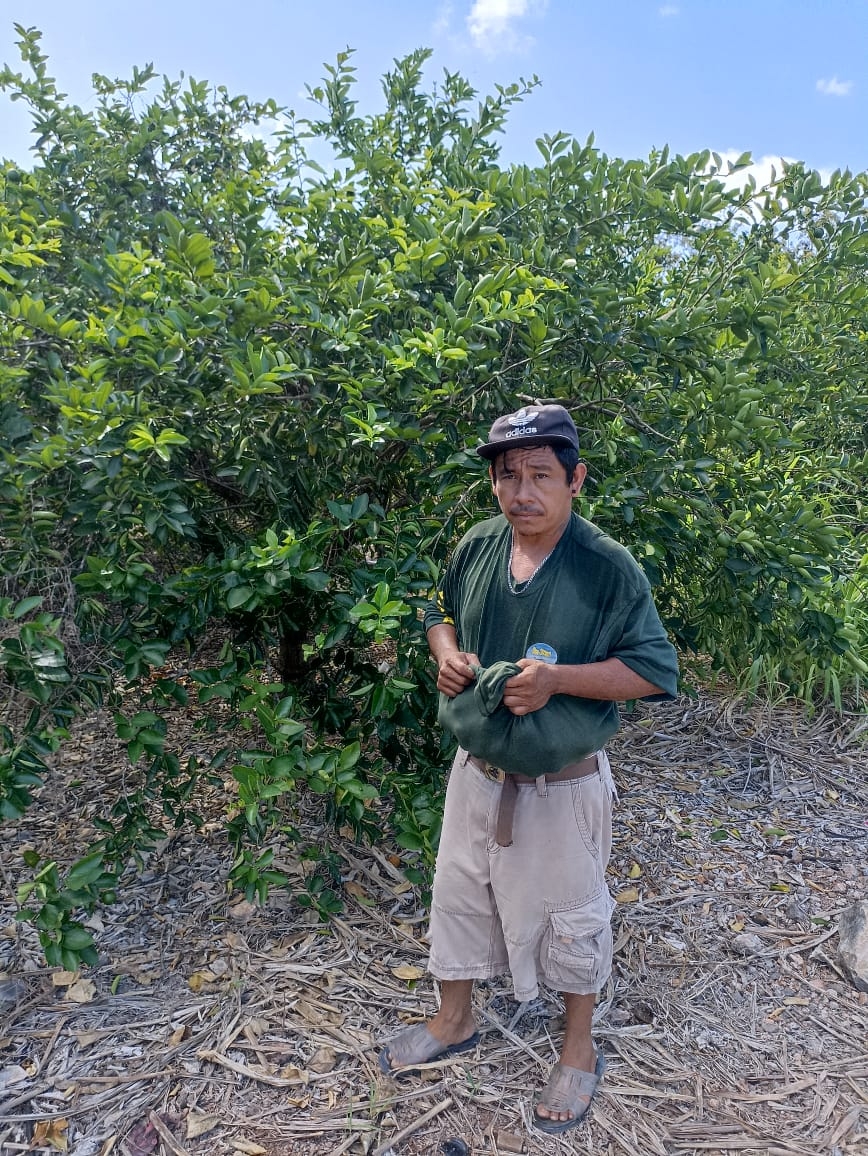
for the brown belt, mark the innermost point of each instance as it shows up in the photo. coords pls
(509, 792)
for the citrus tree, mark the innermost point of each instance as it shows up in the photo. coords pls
(239, 395)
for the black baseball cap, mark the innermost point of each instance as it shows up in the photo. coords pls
(532, 425)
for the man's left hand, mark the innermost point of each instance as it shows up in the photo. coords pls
(530, 690)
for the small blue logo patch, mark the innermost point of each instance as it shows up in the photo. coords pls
(542, 652)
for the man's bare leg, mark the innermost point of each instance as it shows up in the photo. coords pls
(454, 1022)
(578, 1048)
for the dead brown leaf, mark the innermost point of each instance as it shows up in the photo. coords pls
(357, 891)
(82, 991)
(178, 1036)
(408, 972)
(142, 1140)
(628, 895)
(51, 1134)
(290, 1072)
(323, 1060)
(200, 979)
(318, 1016)
(86, 1039)
(243, 909)
(199, 1124)
(236, 941)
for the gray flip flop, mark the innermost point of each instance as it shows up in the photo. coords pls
(568, 1090)
(416, 1045)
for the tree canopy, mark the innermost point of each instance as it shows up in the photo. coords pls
(241, 385)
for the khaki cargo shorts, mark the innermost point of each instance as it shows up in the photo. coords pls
(539, 908)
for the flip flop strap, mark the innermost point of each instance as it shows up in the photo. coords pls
(565, 1086)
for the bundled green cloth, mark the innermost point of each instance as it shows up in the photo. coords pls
(539, 743)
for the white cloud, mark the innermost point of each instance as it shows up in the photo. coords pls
(265, 129)
(442, 20)
(667, 10)
(764, 171)
(760, 169)
(834, 86)
(491, 24)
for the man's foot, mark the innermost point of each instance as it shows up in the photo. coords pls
(418, 1045)
(567, 1096)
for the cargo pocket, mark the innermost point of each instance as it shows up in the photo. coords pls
(577, 947)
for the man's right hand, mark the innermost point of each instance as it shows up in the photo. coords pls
(455, 671)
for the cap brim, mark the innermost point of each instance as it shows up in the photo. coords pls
(492, 449)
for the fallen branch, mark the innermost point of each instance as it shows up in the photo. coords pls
(251, 1073)
(165, 1135)
(414, 1127)
(346, 1144)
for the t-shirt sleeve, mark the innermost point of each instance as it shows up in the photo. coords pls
(439, 608)
(643, 646)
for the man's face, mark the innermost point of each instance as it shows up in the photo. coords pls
(532, 491)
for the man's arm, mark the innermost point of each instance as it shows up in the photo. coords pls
(610, 681)
(454, 666)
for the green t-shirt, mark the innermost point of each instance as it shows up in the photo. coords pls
(590, 601)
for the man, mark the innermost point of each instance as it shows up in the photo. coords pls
(557, 620)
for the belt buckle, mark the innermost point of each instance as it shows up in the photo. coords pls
(495, 774)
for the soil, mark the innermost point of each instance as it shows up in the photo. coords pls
(212, 1025)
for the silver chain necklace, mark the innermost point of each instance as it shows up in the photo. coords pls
(510, 581)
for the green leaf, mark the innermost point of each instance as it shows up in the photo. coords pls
(76, 939)
(359, 506)
(349, 756)
(26, 605)
(171, 437)
(85, 871)
(238, 596)
(363, 610)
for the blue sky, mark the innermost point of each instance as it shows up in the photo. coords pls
(773, 77)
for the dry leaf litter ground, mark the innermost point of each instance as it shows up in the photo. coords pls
(211, 1026)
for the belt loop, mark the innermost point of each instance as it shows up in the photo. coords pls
(541, 788)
